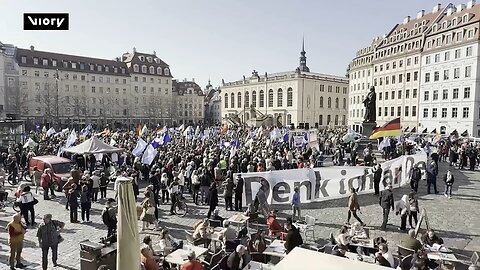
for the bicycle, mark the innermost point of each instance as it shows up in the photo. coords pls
(180, 207)
(5, 201)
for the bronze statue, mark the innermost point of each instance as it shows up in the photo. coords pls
(370, 106)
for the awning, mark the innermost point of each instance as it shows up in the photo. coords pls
(464, 134)
(434, 131)
(425, 131)
(414, 129)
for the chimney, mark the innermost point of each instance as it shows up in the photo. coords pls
(155, 53)
(193, 79)
(471, 3)
(117, 59)
(420, 14)
(406, 20)
(436, 8)
(32, 48)
(134, 50)
(460, 7)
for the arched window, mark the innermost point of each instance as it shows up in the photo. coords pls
(289, 119)
(247, 99)
(336, 103)
(344, 103)
(136, 68)
(166, 71)
(329, 119)
(159, 70)
(270, 98)
(239, 100)
(232, 100)
(279, 97)
(262, 99)
(329, 103)
(336, 120)
(226, 101)
(144, 69)
(289, 97)
(152, 70)
(254, 99)
(321, 102)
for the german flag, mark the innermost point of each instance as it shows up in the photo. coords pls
(390, 129)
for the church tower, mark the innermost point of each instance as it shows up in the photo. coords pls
(303, 59)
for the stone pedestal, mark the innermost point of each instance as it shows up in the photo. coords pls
(367, 128)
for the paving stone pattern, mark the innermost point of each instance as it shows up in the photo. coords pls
(457, 220)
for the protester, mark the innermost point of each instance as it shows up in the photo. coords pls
(46, 179)
(85, 203)
(95, 185)
(195, 186)
(36, 178)
(27, 205)
(449, 179)
(48, 238)
(432, 172)
(403, 209)
(387, 203)
(296, 204)
(415, 177)
(239, 193)
(103, 186)
(73, 196)
(16, 233)
(148, 213)
(228, 186)
(414, 209)
(377, 176)
(353, 206)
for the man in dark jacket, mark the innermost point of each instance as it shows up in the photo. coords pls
(432, 172)
(294, 239)
(377, 177)
(238, 259)
(386, 202)
(239, 193)
(415, 176)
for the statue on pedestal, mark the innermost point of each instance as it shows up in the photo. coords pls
(370, 103)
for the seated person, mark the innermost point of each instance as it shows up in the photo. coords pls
(293, 239)
(251, 212)
(274, 227)
(358, 231)
(343, 238)
(409, 241)
(3, 193)
(230, 233)
(431, 238)
(386, 254)
(238, 259)
(192, 264)
(201, 232)
(340, 251)
(217, 217)
(167, 243)
(380, 260)
(420, 261)
(148, 260)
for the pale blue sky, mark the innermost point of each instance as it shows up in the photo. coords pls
(214, 38)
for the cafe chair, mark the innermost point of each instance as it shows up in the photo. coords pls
(191, 240)
(214, 260)
(396, 262)
(310, 227)
(406, 263)
(215, 223)
(222, 265)
(403, 251)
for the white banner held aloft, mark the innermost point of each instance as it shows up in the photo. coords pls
(149, 155)
(138, 150)
(326, 183)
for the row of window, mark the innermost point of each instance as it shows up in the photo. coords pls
(406, 111)
(261, 99)
(446, 74)
(151, 70)
(445, 94)
(385, 95)
(379, 68)
(380, 81)
(356, 87)
(362, 74)
(446, 55)
(444, 112)
(190, 113)
(152, 90)
(150, 59)
(447, 39)
(76, 65)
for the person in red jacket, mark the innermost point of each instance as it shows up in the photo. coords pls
(45, 182)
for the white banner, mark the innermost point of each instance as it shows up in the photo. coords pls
(298, 140)
(326, 183)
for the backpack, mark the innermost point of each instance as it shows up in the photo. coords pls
(416, 174)
(106, 217)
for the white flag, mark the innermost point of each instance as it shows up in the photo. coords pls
(141, 144)
(72, 138)
(149, 155)
(50, 132)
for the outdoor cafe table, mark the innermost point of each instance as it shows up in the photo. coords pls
(179, 256)
(276, 249)
(355, 256)
(439, 256)
(238, 219)
(257, 266)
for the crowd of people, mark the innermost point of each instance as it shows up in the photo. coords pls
(207, 166)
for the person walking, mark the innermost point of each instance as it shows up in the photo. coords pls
(449, 179)
(164, 186)
(95, 185)
(48, 235)
(85, 203)
(353, 206)
(228, 186)
(386, 202)
(174, 190)
(27, 202)
(73, 195)
(148, 212)
(261, 199)
(415, 177)
(109, 217)
(205, 185)
(16, 233)
(432, 172)
(103, 186)
(45, 181)
(377, 177)
(36, 178)
(213, 200)
(413, 202)
(195, 186)
(239, 193)
(296, 204)
(403, 209)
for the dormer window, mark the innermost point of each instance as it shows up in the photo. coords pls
(424, 22)
(159, 70)
(152, 70)
(92, 67)
(465, 18)
(123, 71)
(24, 59)
(142, 58)
(107, 69)
(115, 69)
(82, 66)
(166, 71)
(434, 28)
(65, 64)
(157, 60)
(144, 69)
(74, 65)
(54, 63)
(149, 59)
(45, 62)
(136, 68)
(99, 68)
(454, 21)
(444, 25)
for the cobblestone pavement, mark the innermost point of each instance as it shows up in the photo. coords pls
(457, 220)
